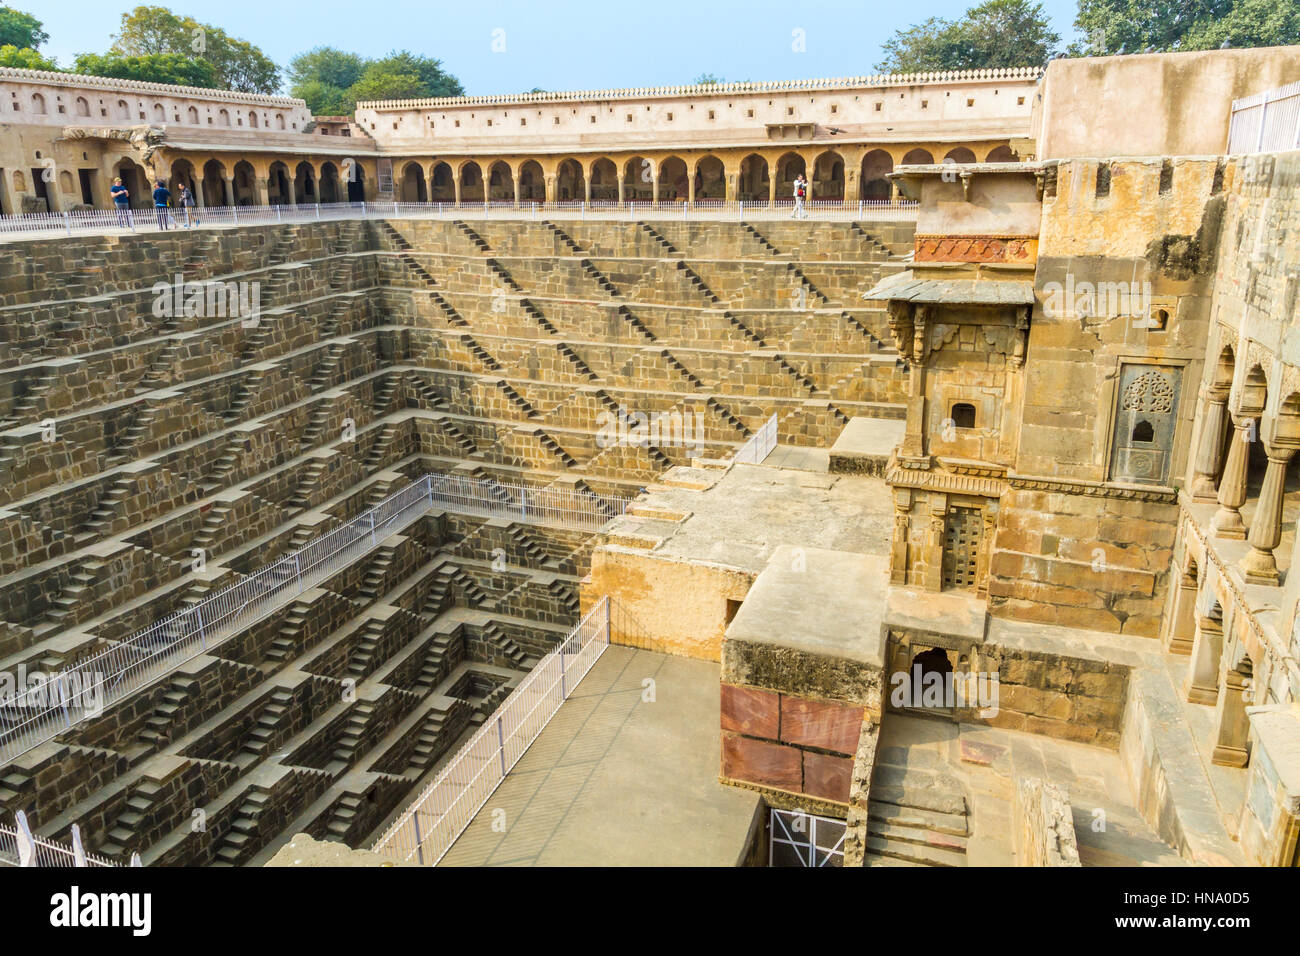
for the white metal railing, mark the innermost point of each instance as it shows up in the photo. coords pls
(758, 446)
(43, 711)
(426, 830)
(1267, 122)
(19, 847)
(146, 220)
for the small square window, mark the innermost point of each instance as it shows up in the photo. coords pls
(710, 114)
(970, 102)
(593, 119)
(629, 117)
(670, 117)
(878, 106)
(789, 111)
(1020, 101)
(749, 113)
(925, 104)
(835, 108)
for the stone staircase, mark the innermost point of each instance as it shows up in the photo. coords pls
(915, 818)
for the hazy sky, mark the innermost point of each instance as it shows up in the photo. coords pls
(555, 45)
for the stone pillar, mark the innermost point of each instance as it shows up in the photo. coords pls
(586, 188)
(902, 530)
(1227, 521)
(230, 190)
(428, 188)
(514, 181)
(263, 191)
(1233, 725)
(1259, 566)
(293, 191)
(1182, 618)
(690, 189)
(620, 187)
(1203, 679)
(1209, 453)
(456, 186)
(551, 185)
(771, 187)
(654, 186)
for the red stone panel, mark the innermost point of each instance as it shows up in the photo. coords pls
(747, 710)
(761, 762)
(827, 777)
(821, 723)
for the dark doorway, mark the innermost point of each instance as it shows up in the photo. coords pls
(87, 177)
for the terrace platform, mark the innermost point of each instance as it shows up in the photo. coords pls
(616, 779)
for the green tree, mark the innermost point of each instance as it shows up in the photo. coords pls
(1112, 27)
(323, 99)
(708, 79)
(25, 58)
(325, 65)
(238, 65)
(386, 86)
(994, 34)
(431, 78)
(20, 29)
(151, 68)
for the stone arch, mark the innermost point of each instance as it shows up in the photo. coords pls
(304, 183)
(331, 189)
(710, 178)
(500, 182)
(223, 117)
(1000, 154)
(252, 119)
(66, 185)
(1253, 398)
(532, 181)
(917, 157)
(412, 187)
(244, 183)
(123, 110)
(279, 121)
(356, 180)
(159, 113)
(38, 104)
(277, 184)
(673, 182)
(959, 154)
(136, 182)
(876, 167)
(604, 180)
(443, 188)
(82, 106)
(471, 182)
(570, 181)
(214, 183)
(182, 174)
(1226, 367)
(20, 181)
(638, 179)
(828, 176)
(754, 183)
(192, 116)
(788, 167)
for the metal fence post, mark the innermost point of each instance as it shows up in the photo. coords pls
(564, 691)
(608, 632)
(371, 513)
(419, 847)
(501, 745)
(203, 636)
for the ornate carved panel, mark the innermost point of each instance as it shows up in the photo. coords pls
(1145, 421)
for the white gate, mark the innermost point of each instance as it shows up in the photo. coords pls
(803, 839)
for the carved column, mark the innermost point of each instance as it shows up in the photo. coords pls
(1233, 725)
(620, 187)
(654, 186)
(1203, 679)
(1182, 618)
(230, 190)
(1227, 521)
(902, 529)
(263, 191)
(1209, 453)
(1259, 566)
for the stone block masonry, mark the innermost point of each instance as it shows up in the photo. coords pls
(149, 455)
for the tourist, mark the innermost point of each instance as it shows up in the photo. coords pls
(800, 194)
(188, 204)
(161, 197)
(122, 200)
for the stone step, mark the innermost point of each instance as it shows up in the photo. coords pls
(906, 816)
(914, 853)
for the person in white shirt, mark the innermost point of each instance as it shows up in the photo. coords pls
(800, 194)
